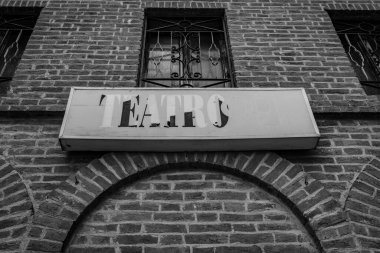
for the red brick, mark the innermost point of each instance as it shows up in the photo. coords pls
(225, 195)
(207, 217)
(138, 161)
(131, 249)
(166, 250)
(241, 217)
(149, 160)
(129, 228)
(46, 246)
(111, 161)
(136, 239)
(344, 243)
(127, 165)
(52, 222)
(252, 238)
(164, 196)
(206, 238)
(254, 162)
(209, 228)
(286, 248)
(165, 228)
(5, 170)
(174, 217)
(141, 216)
(170, 239)
(10, 246)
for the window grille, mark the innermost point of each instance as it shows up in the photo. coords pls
(16, 26)
(185, 52)
(360, 36)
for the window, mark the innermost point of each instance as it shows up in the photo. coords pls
(186, 49)
(359, 32)
(16, 26)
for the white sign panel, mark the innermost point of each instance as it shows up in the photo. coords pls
(158, 119)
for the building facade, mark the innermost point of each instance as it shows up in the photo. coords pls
(325, 199)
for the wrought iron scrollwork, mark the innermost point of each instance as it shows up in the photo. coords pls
(15, 31)
(185, 62)
(190, 51)
(361, 41)
(359, 32)
(214, 59)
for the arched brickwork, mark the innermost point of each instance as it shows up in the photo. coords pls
(182, 209)
(64, 205)
(363, 206)
(16, 208)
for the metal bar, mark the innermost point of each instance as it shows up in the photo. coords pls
(204, 21)
(371, 84)
(209, 85)
(171, 55)
(6, 29)
(164, 20)
(144, 46)
(155, 83)
(210, 29)
(358, 33)
(192, 31)
(162, 27)
(185, 50)
(5, 79)
(368, 55)
(195, 24)
(181, 79)
(228, 51)
(200, 54)
(159, 28)
(17, 19)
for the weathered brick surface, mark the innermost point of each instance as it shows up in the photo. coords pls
(345, 147)
(363, 203)
(16, 207)
(274, 44)
(48, 167)
(33, 150)
(143, 220)
(63, 206)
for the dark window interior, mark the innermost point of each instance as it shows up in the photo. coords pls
(359, 32)
(16, 26)
(185, 48)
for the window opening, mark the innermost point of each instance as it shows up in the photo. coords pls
(16, 26)
(185, 51)
(359, 33)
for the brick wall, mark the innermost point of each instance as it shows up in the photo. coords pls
(345, 147)
(190, 211)
(274, 43)
(33, 150)
(16, 208)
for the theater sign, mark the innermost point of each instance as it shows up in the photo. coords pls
(157, 119)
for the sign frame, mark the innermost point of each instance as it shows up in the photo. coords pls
(187, 143)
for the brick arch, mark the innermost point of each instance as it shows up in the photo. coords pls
(363, 206)
(65, 204)
(16, 208)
